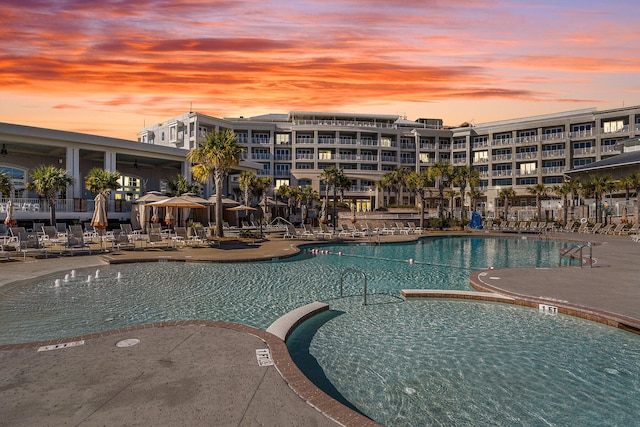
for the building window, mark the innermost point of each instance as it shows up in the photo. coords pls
(480, 156)
(17, 176)
(527, 181)
(612, 126)
(584, 127)
(552, 180)
(581, 162)
(554, 130)
(280, 182)
(173, 133)
(129, 188)
(283, 139)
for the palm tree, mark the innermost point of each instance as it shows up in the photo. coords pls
(215, 157)
(181, 184)
(475, 194)
(47, 181)
(6, 184)
(462, 175)
(246, 182)
(506, 194)
(451, 195)
(539, 190)
(332, 176)
(284, 191)
(259, 189)
(564, 191)
(398, 178)
(386, 183)
(100, 181)
(633, 181)
(440, 173)
(309, 195)
(596, 185)
(419, 182)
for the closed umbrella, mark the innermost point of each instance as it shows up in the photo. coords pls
(10, 220)
(99, 219)
(155, 217)
(142, 217)
(168, 216)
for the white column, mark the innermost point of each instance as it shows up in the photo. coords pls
(73, 169)
(110, 161)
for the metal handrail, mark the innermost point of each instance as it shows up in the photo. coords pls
(364, 276)
(573, 250)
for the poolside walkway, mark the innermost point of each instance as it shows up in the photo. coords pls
(206, 373)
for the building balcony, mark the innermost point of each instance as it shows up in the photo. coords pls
(407, 161)
(408, 145)
(480, 160)
(527, 156)
(553, 137)
(263, 172)
(305, 141)
(348, 156)
(389, 159)
(261, 141)
(305, 156)
(623, 129)
(282, 157)
(547, 154)
(326, 140)
(347, 141)
(554, 170)
(482, 144)
(427, 146)
(502, 173)
(502, 141)
(369, 142)
(282, 173)
(459, 160)
(501, 158)
(531, 139)
(261, 156)
(582, 134)
(533, 172)
(460, 146)
(587, 151)
(609, 149)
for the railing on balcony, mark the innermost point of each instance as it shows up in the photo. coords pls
(300, 140)
(37, 207)
(581, 134)
(552, 153)
(427, 146)
(460, 146)
(459, 160)
(347, 141)
(501, 158)
(609, 149)
(369, 142)
(506, 172)
(552, 136)
(408, 145)
(481, 160)
(305, 156)
(502, 141)
(260, 156)
(348, 156)
(623, 129)
(389, 159)
(583, 151)
(263, 172)
(520, 172)
(282, 173)
(529, 155)
(526, 139)
(282, 157)
(480, 144)
(262, 141)
(326, 140)
(368, 157)
(407, 160)
(553, 170)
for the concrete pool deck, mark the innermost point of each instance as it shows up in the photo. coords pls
(207, 373)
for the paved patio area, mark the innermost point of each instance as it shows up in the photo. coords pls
(206, 373)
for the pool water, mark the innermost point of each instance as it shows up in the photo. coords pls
(470, 363)
(255, 294)
(400, 362)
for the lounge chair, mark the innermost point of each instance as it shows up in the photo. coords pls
(633, 229)
(308, 232)
(344, 231)
(76, 239)
(29, 244)
(606, 229)
(402, 229)
(121, 241)
(618, 229)
(155, 239)
(325, 231)
(290, 232)
(413, 229)
(597, 226)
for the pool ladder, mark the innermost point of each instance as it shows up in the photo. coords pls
(354, 270)
(570, 252)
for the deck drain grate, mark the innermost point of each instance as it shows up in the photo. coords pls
(264, 357)
(61, 345)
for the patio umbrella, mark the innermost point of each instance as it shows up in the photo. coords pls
(323, 212)
(242, 208)
(155, 218)
(10, 220)
(151, 196)
(195, 198)
(168, 216)
(99, 218)
(225, 201)
(142, 217)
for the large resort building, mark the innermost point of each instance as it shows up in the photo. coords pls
(294, 149)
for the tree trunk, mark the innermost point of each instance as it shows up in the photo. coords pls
(218, 184)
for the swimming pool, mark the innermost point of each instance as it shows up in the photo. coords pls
(256, 294)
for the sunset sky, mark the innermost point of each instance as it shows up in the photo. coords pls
(109, 67)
